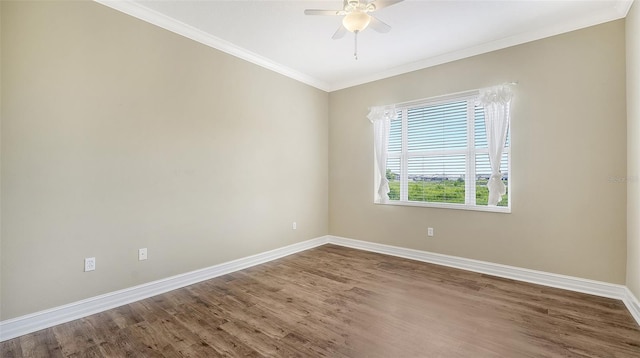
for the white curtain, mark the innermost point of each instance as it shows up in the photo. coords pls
(496, 102)
(381, 118)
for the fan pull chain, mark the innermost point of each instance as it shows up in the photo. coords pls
(355, 46)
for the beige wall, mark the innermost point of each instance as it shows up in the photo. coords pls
(568, 159)
(633, 148)
(118, 135)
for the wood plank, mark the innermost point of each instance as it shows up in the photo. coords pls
(334, 301)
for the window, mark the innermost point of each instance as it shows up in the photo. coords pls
(437, 155)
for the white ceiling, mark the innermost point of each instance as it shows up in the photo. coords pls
(278, 36)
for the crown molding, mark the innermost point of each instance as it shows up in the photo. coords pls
(153, 17)
(623, 7)
(618, 11)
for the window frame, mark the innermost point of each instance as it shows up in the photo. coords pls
(470, 153)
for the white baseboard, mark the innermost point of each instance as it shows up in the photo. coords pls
(592, 287)
(44, 319)
(48, 318)
(632, 303)
(597, 288)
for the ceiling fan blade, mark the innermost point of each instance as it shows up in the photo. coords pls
(381, 4)
(378, 25)
(323, 12)
(339, 33)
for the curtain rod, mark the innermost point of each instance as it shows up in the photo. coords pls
(444, 97)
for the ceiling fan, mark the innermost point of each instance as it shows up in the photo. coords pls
(357, 17)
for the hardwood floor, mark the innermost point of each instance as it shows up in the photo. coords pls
(333, 301)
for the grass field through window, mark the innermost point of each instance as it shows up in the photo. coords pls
(444, 191)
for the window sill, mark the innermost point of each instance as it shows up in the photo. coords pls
(491, 209)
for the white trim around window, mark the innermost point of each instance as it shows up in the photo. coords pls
(437, 156)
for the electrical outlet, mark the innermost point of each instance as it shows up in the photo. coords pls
(430, 232)
(142, 254)
(294, 226)
(89, 264)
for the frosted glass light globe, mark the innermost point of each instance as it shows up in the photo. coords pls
(356, 21)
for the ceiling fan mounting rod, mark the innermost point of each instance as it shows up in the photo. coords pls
(355, 46)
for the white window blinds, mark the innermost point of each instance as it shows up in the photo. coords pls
(438, 155)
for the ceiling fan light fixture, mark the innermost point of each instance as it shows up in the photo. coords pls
(356, 21)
